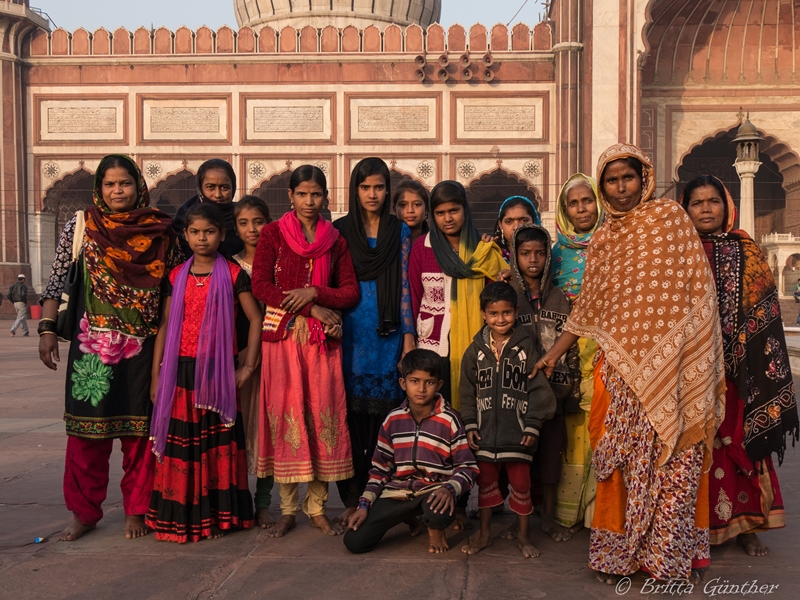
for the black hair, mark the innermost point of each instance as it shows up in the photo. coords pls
(530, 234)
(702, 181)
(305, 173)
(410, 185)
(250, 201)
(113, 161)
(214, 164)
(207, 211)
(448, 191)
(366, 168)
(422, 360)
(498, 291)
(633, 162)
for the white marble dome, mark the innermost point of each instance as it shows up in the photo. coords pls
(339, 13)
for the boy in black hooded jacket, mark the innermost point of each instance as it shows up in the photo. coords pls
(503, 411)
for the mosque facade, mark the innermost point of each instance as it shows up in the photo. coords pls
(504, 109)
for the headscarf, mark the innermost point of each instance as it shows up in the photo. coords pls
(649, 300)
(505, 244)
(126, 257)
(319, 253)
(382, 263)
(214, 373)
(753, 341)
(231, 245)
(569, 251)
(475, 261)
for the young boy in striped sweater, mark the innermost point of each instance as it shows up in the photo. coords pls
(421, 465)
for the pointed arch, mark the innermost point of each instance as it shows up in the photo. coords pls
(68, 195)
(487, 193)
(170, 193)
(273, 191)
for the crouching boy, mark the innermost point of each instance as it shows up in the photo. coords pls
(421, 465)
(503, 411)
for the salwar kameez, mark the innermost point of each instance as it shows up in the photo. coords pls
(648, 516)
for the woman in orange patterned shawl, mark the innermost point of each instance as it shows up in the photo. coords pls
(760, 409)
(648, 299)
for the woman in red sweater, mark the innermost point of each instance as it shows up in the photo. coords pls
(304, 274)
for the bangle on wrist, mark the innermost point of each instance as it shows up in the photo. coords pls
(47, 319)
(48, 326)
(41, 333)
(545, 363)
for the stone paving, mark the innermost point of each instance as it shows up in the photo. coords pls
(305, 564)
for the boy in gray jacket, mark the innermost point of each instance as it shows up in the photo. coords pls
(503, 411)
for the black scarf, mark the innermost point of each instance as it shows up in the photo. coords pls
(382, 263)
(449, 261)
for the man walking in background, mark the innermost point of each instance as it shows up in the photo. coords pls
(18, 294)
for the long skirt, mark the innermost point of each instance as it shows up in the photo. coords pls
(303, 432)
(250, 403)
(745, 498)
(647, 516)
(577, 486)
(202, 482)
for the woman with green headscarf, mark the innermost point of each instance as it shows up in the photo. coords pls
(127, 250)
(578, 216)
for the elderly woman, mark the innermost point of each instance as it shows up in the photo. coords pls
(760, 407)
(128, 251)
(578, 216)
(648, 300)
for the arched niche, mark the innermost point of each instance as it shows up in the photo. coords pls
(168, 195)
(273, 192)
(487, 193)
(67, 196)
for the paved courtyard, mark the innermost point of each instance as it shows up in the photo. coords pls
(305, 564)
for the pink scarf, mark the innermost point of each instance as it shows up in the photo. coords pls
(319, 253)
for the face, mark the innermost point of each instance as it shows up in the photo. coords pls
(421, 388)
(500, 316)
(372, 193)
(449, 218)
(622, 186)
(308, 200)
(411, 209)
(581, 208)
(514, 217)
(706, 210)
(531, 258)
(217, 186)
(119, 190)
(249, 224)
(204, 237)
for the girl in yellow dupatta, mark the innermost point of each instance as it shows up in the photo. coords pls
(578, 216)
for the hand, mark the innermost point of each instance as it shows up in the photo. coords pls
(153, 389)
(471, 437)
(409, 344)
(540, 365)
(357, 519)
(487, 238)
(442, 501)
(48, 351)
(529, 441)
(296, 299)
(242, 375)
(326, 316)
(504, 275)
(332, 331)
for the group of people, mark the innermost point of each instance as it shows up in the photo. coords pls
(631, 377)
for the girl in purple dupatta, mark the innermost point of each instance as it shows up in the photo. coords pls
(201, 486)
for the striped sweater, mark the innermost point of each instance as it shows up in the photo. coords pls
(411, 460)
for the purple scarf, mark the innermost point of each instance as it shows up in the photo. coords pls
(214, 375)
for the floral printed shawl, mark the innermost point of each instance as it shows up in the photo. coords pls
(754, 345)
(649, 300)
(126, 257)
(569, 252)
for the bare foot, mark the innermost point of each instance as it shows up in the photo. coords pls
(510, 533)
(477, 542)
(555, 531)
(528, 550)
(577, 528)
(414, 526)
(438, 541)
(264, 520)
(751, 544)
(696, 576)
(607, 578)
(343, 518)
(215, 534)
(135, 527)
(462, 522)
(285, 524)
(322, 522)
(74, 530)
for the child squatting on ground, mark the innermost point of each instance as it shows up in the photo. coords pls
(421, 465)
(503, 412)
